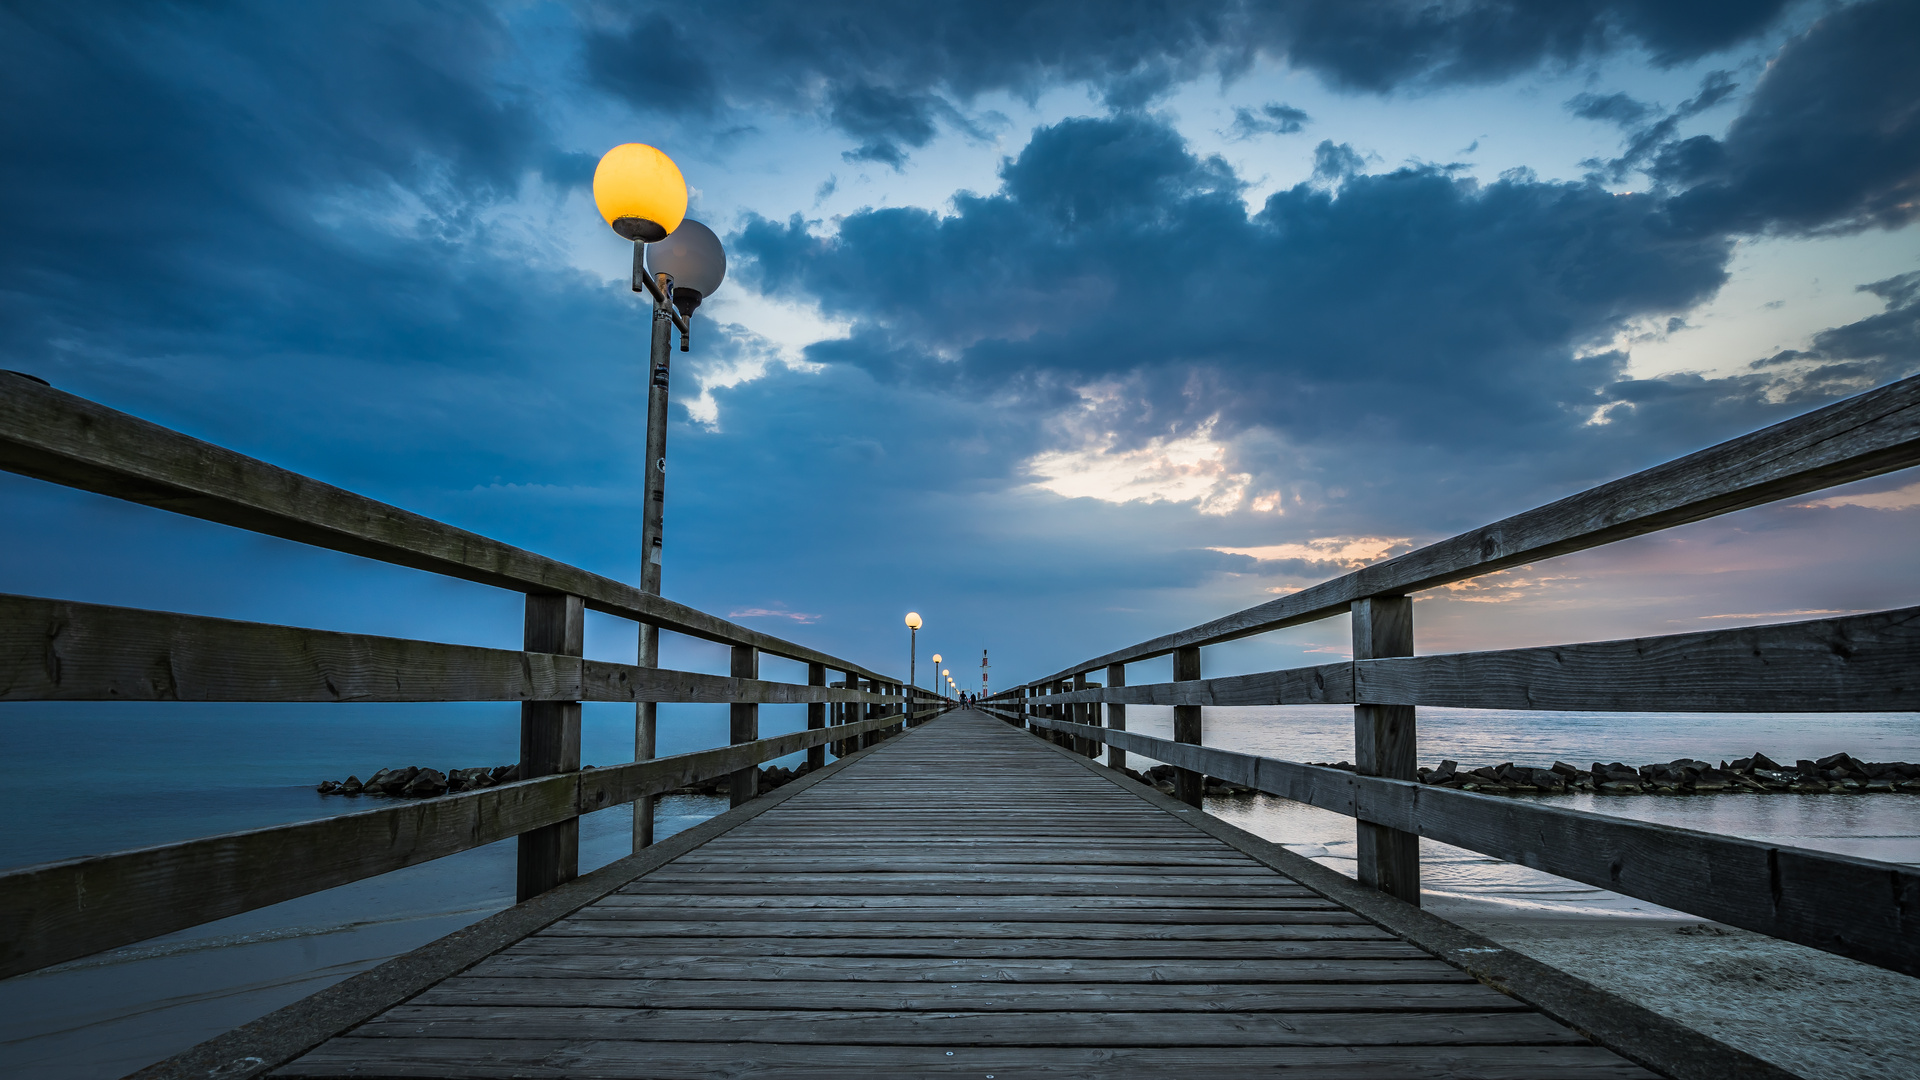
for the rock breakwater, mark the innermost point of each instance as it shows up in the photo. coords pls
(414, 782)
(1834, 774)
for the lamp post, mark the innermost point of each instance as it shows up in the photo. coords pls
(913, 650)
(679, 263)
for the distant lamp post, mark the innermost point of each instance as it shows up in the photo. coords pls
(643, 197)
(913, 648)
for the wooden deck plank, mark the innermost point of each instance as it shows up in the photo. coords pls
(1026, 919)
(946, 1028)
(1023, 969)
(1382, 948)
(474, 991)
(485, 1059)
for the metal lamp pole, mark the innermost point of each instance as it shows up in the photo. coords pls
(653, 512)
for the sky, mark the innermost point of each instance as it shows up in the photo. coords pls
(1065, 324)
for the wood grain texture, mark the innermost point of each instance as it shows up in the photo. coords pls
(1384, 745)
(261, 1045)
(1856, 663)
(550, 743)
(619, 1060)
(63, 910)
(1876, 432)
(1853, 663)
(55, 436)
(59, 650)
(1858, 908)
(1321, 684)
(902, 909)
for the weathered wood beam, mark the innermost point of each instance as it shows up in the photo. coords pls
(550, 744)
(1876, 432)
(1852, 663)
(59, 650)
(1322, 684)
(63, 910)
(1858, 908)
(55, 436)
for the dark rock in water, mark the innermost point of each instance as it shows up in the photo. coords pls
(506, 774)
(351, 787)
(328, 787)
(1762, 761)
(1448, 767)
(425, 784)
(1565, 769)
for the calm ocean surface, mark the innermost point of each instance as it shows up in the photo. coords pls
(87, 778)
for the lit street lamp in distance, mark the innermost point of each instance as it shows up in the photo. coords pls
(913, 648)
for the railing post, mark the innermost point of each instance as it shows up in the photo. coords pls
(1384, 745)
(1188, 785)
(550, 743)
(868, 711)
(744, 724)
(1058, 711)
(849, 712)
(1077, 713)
(1116, 716)
(816, 716)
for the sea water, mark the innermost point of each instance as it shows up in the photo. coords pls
(89, 778)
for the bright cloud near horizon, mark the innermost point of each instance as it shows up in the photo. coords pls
(1065, 324)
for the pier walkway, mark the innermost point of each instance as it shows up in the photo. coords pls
(963, 900)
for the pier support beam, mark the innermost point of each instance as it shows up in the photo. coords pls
(1078, 712)
(817, 717)
(1384, 745)
(1116, 716)
(1188, 786)
(550, 743)
(744, 725)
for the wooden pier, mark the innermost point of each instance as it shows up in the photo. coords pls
(1026, 916)
(959, 893)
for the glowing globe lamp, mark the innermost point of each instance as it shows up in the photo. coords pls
(696, 261)
(913, 620)
(641, 193)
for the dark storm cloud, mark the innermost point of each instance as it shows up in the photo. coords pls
(761, 54)
(1830, 139)
(169, 169)
(1431, 314)
(1420, 304)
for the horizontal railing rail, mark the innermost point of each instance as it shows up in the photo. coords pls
(1859, 908)
(65, 910)
(61, 650)
(1855, 663)
(58, 437)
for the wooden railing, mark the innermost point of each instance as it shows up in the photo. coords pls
(54, 650)
(1860, 908)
